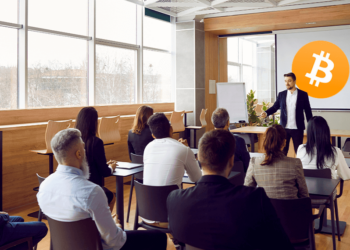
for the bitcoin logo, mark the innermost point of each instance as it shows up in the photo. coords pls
(321, 68)
(317, 67)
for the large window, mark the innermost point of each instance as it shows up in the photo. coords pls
(59, 58)
(115, 75)
(251, 60)
(157, 62)
(8, 68)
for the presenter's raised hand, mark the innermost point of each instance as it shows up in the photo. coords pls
(263, 115)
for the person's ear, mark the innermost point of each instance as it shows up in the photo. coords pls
(171, 131)
(154, 137)
(229, 166)
(284, 144)
(78, 154)
(228, 124)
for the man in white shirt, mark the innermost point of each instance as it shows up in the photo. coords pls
(67, 195)
(293, 103)
(166, 159)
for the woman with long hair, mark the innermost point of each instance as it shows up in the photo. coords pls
(318, 152)
(282, 177)
(87, 123)
(140, 134)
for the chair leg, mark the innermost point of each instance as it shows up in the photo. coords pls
(40, 216)
(333, 228)
(337, 217)
(130, 197)
(194, 138)
(136, 221)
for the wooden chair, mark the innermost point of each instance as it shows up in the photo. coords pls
(108, 130)
(177, 121)
(29, 241)
(53, 127)
(195, 128)
(82, 234)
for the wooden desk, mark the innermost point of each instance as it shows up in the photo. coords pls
(260, 131)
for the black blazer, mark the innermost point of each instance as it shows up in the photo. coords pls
(95, 153)
(216, 215)
(138, 143)
(302, 105)
(241, 153)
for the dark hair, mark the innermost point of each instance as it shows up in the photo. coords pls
(215, 149)
(86, 122)
(292, 75)
(275, 136)
(220, 117)
(319, 141)
(159, 125)
(140, 122)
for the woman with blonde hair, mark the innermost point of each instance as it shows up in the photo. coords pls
(140, 134)
(282, 177)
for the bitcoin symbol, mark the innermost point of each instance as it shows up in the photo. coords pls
(317, 67)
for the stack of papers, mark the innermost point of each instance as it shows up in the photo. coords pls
(128, 165)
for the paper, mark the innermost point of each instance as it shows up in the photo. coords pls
(127, 165)
(212, 89)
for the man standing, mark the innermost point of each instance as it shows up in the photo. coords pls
(292, 103)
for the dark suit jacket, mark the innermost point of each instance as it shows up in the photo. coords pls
(302, 105)
(216, 215)
(138, 143)
(95, 153)
(241, 153)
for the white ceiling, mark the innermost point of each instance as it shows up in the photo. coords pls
(189, 9)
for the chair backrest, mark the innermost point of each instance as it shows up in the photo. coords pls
(318, 173)
(81, 234)
(177, 121)
(108, 129)
(40, 179)
(136, 158)
(202, 118)
(188, 247)
(238, 167)
(151, 201)
(295, 216)
(346, 147)
(53, 127)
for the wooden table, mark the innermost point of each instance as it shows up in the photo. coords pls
(119, 174)
(260, 131)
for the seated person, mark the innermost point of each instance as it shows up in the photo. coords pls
(221, 120)
(14, 228)
(87, 123)
(216, 214)
(282, 177)
(318, 152)
(67, 195)
(140, 134)
(166, 159)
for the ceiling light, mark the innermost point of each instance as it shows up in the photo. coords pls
(311, 23)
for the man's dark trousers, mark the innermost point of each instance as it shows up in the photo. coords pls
(297, 136)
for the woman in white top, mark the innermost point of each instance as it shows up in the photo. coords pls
(318, 152)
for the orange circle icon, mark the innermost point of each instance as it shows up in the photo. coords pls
(321, 68)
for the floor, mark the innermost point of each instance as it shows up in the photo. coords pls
(323, 241)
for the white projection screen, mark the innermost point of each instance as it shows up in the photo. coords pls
(320, 59)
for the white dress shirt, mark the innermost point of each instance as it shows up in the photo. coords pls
(165, 161)
(338, 169)
(291, 103)
(67, 196)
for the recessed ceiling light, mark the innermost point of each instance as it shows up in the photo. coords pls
(236, 29)
(311, 23)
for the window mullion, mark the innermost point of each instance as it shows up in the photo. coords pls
(91, 81)
(22, 102)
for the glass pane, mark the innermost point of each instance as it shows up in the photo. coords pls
(116, 20)
(232, 49)
(8, 68)
(233, 73)
(57, 68)
(61, 15)
(8, 11)
(248, 78)
(157, 33)
(156, 77)
(247, 52)
(115, 75)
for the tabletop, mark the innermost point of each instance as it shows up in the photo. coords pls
(127, 172)
(321, 186)
(194, 150)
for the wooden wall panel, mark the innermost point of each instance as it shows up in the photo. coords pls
(20, 116)
(211, 72)
(20, 166)
(279, 20)
(223, 77)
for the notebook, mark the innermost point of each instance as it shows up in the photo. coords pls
(128, 165)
